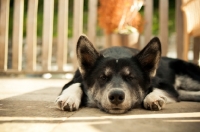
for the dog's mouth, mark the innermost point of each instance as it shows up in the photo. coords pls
(117, 111)
(112, 109)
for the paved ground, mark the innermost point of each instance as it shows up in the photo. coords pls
(27, 105)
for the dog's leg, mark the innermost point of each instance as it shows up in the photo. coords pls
(70, 98)
(157, 99)
(187, 83)
(188, 88)
(189, 95)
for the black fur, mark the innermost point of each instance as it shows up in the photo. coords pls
(146, 71)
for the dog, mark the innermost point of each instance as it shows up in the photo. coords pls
(119, 79)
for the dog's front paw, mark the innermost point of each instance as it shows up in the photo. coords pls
(70, 98)
(154, 102)
(68, 103)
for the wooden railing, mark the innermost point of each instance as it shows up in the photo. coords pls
(48, 9)
(47, 35)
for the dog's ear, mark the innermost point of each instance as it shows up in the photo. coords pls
(149, 57)
(86, 54)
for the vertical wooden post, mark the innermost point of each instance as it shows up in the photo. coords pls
(77, 25)
(148, 13)
(31, 37)
(163, 25)
(179, 29)
(92, 20)
(62, 33)
(186, 37)
(4, 22)
(47, 34)
(17, 34)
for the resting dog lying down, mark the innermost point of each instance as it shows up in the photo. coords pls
(119, 79)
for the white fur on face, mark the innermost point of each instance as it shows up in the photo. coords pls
(126, 70)
(103, 100)
(107, 71)
(70, 98)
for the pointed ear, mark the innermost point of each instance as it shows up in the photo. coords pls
(86, 54)
(149, 57)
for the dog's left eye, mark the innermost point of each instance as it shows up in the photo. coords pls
(104, 77)
(129, 77)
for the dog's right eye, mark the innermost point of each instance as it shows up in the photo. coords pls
(104, 77)
(129, 77)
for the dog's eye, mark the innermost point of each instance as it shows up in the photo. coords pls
(103, 77)
(129, 77)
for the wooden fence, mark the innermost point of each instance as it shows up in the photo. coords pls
(48, 10)
(47, 35)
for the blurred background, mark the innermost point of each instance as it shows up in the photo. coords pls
(38, 37)
(99, 30)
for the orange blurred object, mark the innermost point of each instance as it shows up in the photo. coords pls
(110, 13)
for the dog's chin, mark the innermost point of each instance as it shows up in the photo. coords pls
(113, 111)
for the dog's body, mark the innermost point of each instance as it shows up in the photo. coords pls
(118, 79)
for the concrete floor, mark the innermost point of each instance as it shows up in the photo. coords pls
(27, 105)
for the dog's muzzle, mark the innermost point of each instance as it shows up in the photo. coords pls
(116, 97)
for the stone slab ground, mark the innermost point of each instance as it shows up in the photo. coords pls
(27, 105)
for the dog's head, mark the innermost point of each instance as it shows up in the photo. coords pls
(117, 85)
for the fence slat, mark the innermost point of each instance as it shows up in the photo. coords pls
(148, 14)
(47, 34)
(17, 35)
(163, 25)
(77, 25)
(92, 20)
(31, 34)
(4, 18)
(179, 29)
(62, 33)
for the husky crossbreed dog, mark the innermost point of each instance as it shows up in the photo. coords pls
(119, 79)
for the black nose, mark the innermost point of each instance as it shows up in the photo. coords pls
(116, 97)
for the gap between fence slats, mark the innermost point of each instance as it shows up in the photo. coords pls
(92, 20)
(196, 49)
(4, 22)
(17, 35)
(62, 33)
(31, 39)
(163, 25)
(179, 29)
(77, 26)
(107, 40)
(47, 34)
(148, 16)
